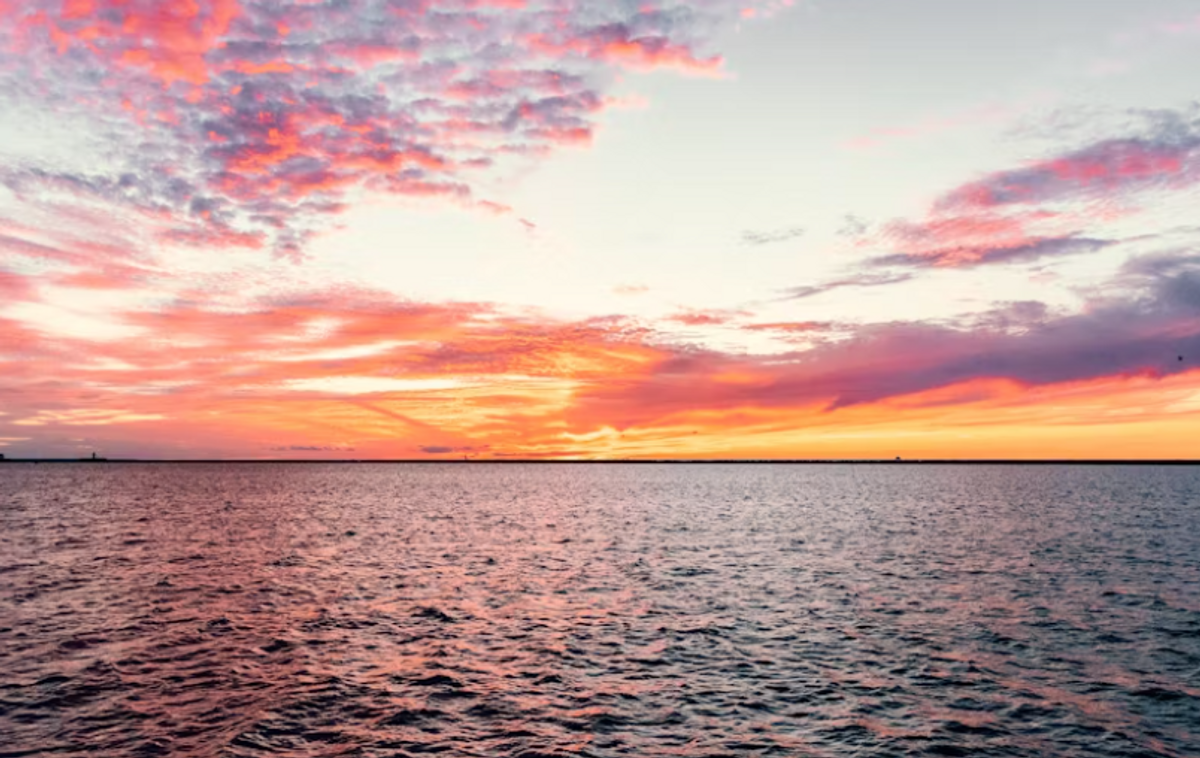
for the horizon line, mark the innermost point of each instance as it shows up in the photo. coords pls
(643, 461)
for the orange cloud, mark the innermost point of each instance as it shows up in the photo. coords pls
(790, 327)
(360, 369)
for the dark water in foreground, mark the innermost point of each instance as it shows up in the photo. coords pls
(256, 610)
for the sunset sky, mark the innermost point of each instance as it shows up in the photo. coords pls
(599, 228)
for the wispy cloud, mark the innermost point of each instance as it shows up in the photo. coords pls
(975, 116)
(868, 279)
(631, 289)
(714, 317)
(311, 449)
(790, 327)
(452, 449)
(974, 251)
(853, 226)
(769, 237)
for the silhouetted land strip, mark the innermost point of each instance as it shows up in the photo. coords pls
(655, 461)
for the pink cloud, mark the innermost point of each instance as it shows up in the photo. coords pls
(1043, 208)
(170, 40)
(1103, 169)
(256, 117)
(14, 288)
(707, 317)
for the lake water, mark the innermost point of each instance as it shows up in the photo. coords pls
(574, 610)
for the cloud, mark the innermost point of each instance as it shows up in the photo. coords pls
(790, 327)
(369, 385)
(852, 226)
(631, 289)
(1164, 154)
(247, 123)
(1140, 332)
(770, 237)
(1042, 209)
(447, 449)
(477, 379)
(984, 114)
(257, 168)
(971, 253)
(14, 288)
(1173, 277)
(87, 417)
(706, 317)
(312, 449)
(968, 238)
(855, 280)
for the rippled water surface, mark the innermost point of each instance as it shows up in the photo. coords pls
(642, 610)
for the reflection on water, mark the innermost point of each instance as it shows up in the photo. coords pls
(325, 610)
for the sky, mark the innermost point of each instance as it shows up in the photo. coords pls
(599, 229)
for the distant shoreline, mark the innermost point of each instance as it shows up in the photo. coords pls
(647, 461)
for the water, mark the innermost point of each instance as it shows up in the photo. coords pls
(674, 610)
